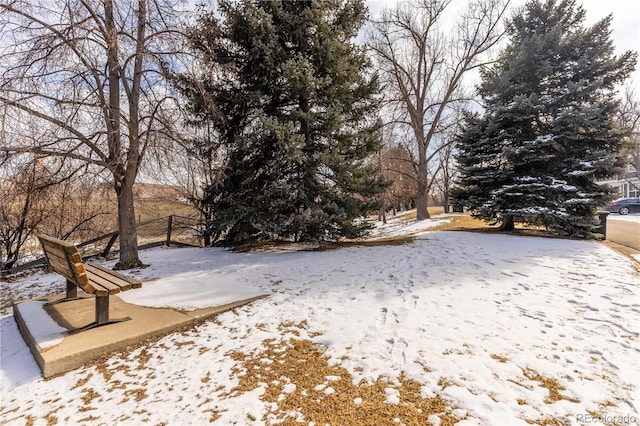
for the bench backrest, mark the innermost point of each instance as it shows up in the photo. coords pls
(65, 259)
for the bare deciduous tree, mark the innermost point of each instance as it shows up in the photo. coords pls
(91, 74)
(79, 207)
(423, 65)
(628, 117)
(444, 176)
(397, 165)
(197, 163)
(31, 193)
(22, 196)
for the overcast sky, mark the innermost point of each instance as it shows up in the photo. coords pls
(625, 26)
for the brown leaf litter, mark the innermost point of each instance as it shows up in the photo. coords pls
(300, 385)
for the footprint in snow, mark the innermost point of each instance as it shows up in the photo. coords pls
(398, 349)
(382, 318)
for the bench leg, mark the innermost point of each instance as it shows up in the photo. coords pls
(102, 310)
(102, 316)
(72, 290)
(71, 294)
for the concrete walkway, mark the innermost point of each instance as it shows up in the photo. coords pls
(624, 230)
(81, 348)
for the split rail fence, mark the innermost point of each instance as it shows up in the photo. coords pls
(170, 230)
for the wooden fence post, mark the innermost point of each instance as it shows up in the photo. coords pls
(110, 244)
(169, 224)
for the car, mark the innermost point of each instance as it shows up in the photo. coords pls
(624, 206)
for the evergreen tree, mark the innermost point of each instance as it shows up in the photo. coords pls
(299, 118)
(546, 133)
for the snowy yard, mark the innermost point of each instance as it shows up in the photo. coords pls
(498, 330)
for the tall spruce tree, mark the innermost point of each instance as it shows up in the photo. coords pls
(546, 133)
(298, 110)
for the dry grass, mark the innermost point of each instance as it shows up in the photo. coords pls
(547, 421)
(150, 202)
(397, 240)
(499, 358)
(301, 385)
(457, 222)
(551, 385)
(465, 222)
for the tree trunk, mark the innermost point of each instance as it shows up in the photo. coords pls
(447, 186)
(507, 224)
(108, 43)
(207, 232)
(127, 227)
(383, 215)
(421, 197)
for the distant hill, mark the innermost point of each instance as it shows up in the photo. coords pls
(152, 191)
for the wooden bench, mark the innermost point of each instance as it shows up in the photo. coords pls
(93, 279)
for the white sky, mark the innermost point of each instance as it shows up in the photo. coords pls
(625, 26)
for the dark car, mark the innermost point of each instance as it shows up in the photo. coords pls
(624, 206)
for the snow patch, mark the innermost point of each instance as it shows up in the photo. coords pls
(392, 396)
(44, 330)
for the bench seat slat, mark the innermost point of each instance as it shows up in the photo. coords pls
(94, 288)
(102, 286)
(107, 279)
(111, 274)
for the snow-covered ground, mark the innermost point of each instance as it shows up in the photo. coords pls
(406, 224)
(506, 329)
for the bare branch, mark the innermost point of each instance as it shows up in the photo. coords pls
(423, 65)
(90, 74)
